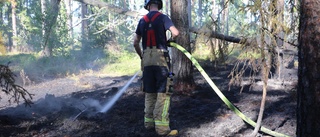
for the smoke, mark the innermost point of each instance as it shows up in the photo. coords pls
(92, 103)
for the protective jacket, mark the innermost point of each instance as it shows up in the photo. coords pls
(156, 60)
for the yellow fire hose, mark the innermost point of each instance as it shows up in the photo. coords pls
(222, 97)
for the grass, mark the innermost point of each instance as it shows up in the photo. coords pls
(202, 53)
(17, 61)
(105, 63)
(39, 68)
(122, 64)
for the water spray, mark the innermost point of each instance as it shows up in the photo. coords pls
(79, 114)
(110, 103)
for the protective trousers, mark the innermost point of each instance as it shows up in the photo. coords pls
(157, 112)
(156, 85)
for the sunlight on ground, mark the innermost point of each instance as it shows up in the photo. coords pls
(123, 67)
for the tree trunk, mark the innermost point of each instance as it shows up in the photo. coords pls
(199, 17)
(1, 15)
(10, 43)
(308, 104)
(69, 15)
(213, 42)
(43, 11)
(279, 38)
(265, 73)
(50, 18)
(2, 45)
(167, 6)
(84, 25)
(14, 24)
(45, 30)
(275, 64)
(222, 27)
(189, 13)
(182, 66)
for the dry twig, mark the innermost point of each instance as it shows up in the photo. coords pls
(7, 84)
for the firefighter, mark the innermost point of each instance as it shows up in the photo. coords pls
(156, 65)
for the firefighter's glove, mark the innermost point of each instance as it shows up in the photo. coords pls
(170, 40)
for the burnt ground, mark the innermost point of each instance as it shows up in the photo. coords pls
(58, 105)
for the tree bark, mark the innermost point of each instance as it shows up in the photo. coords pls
(43, 11)
(189, 13)
(8, 12)
(69, 15)
(50, 18)
(167, 6)
(275, 65)
(199, 17)
(14, 24)
(182, 66)
(265, 74)
(1, 15)
(84, 27)
(84, 22)
(279, 37)
(222, 27)
(308, 103)
(214, 34)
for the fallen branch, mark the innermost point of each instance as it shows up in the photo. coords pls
(7, 83)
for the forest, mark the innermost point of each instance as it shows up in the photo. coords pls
(61, 60)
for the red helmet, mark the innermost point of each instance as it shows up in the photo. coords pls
(148, 2)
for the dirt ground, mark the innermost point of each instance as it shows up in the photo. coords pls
(69, 107)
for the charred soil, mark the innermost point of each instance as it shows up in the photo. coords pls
(70, 107)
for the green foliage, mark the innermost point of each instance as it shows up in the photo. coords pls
(241, 54)
(18, 61)
(124, 63)
(202, 52)
(111, 31)
(29, 27)
(36, 67)
(60, 39)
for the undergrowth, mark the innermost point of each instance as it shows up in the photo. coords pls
(38, 68)
(77, 62)
(124, 63)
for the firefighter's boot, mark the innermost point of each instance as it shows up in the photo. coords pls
(173, 133)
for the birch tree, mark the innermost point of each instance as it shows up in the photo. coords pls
(14, 24)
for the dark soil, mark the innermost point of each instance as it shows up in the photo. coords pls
(70, 107)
